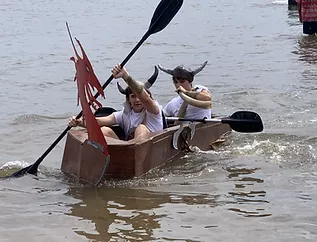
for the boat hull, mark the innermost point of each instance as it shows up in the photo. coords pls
(132, 158)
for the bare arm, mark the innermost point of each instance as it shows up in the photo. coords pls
(107, 120)
(203, 95)
(143, 96)
(148, 102)
(197, 99)
(137, 89)
(102, 121)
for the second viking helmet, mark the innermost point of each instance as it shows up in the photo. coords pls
(147, 84)
(183, 72)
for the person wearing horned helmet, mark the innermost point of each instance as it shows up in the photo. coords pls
(194, 101)
(140, 115)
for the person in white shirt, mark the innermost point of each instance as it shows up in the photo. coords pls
(140, 115)
(194, 101)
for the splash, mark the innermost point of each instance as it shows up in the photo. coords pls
(14, 164)
(11, 167)
(289, 154)
(282, 2)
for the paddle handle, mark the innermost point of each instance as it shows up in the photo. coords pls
(218, 120)
(147, 34)
(202, 120)
(241, 121)
(59, 138)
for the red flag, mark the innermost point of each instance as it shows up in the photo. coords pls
(86, 82)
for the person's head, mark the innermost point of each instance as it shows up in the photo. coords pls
(134, 101)
(182, 81)
(183, 76)
(131, 97)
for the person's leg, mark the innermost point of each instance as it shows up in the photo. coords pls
(109, 132)
(141, 130)
(308, 28)
(314, 28)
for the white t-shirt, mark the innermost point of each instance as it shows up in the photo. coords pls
(129, 120)
(172, 107)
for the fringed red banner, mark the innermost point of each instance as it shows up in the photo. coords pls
(87, 81)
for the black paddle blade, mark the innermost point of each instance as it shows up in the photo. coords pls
(104, 111)
(164, 13)
(245, 122)
(29, 169)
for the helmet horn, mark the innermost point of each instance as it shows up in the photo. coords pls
(147, 84)
(121, 89)
(152, 79)
(200, 68)
(168, 71)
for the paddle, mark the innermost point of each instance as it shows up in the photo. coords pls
(164, 13)
(104, 111)
(240, 121)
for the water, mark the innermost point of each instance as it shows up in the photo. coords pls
(259, 187)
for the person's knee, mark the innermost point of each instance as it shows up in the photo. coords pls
(108, 132)
(141, 130)
(105, 130)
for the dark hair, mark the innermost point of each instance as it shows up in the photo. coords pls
(182, 74)
(129, 91)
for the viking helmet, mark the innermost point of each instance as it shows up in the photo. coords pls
(182, 72)
(127, 91)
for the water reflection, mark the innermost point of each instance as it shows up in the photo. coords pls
(129, 214)
(245, 192)
(307, 47)
(307, 52)
(293, 18)
(117, 212)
